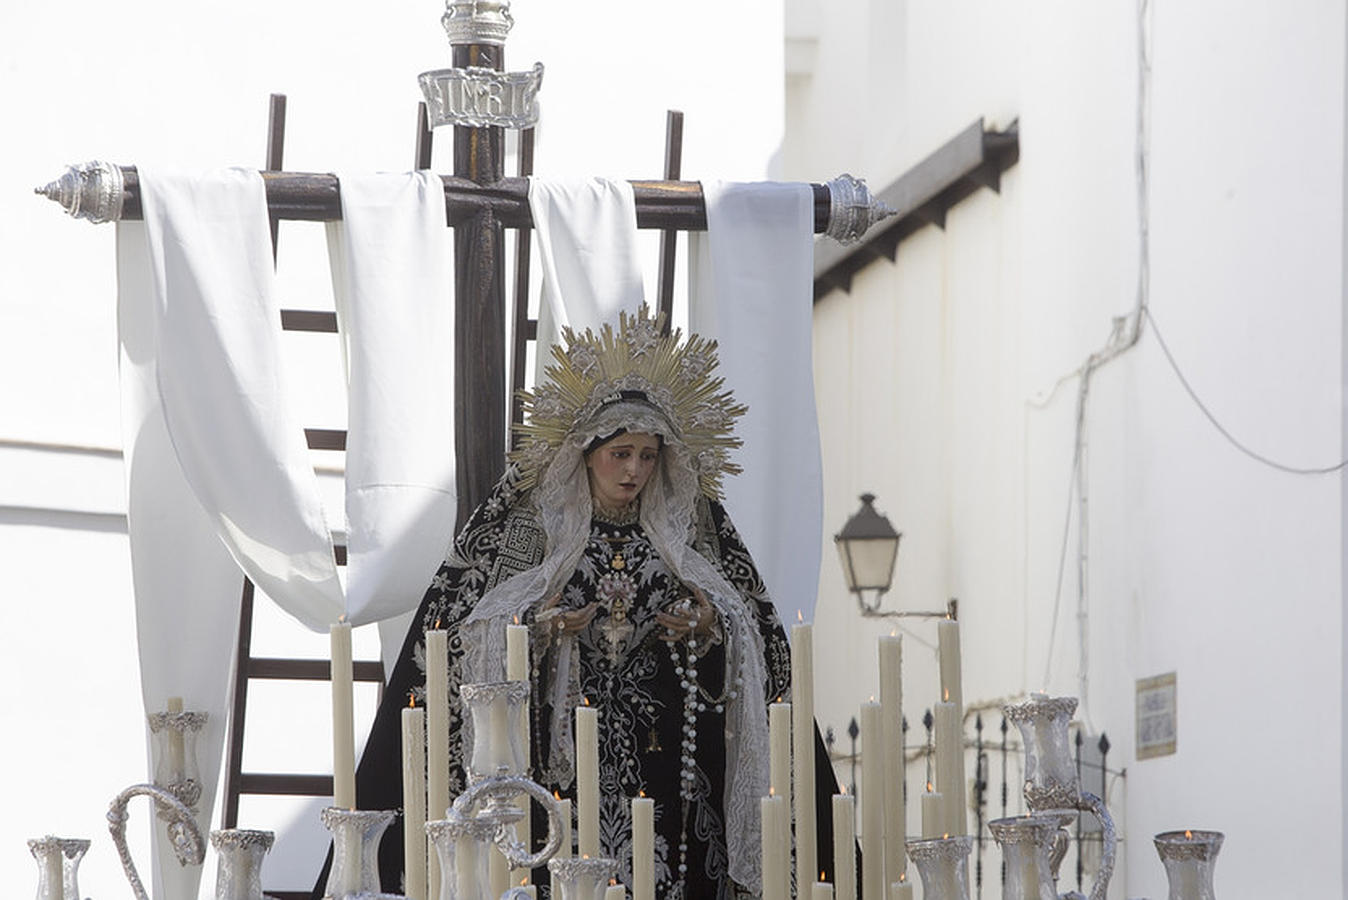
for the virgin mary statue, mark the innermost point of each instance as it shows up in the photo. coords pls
(607, 537)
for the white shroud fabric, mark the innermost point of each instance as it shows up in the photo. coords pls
(217, 470)
(392, 275)
(587, 247)
(751, 280)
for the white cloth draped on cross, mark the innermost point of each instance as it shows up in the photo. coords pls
(219, 478)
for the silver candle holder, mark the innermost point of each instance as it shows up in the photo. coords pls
(356, 834)
(58, 864)
(175, 753)
(1189, 858)
(583, 877)
(1028, 844)
(240, 852)
(942, 864)
(1052, 786)
(461, 845)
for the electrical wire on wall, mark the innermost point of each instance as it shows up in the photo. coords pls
(1125, 333)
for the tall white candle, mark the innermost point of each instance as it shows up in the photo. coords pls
(872, 803)
(414, 802)
(437, 744)
(779, 749)
(517, 669)
(643, 848)
(773, 811)
(587, 779)
(891, 713)
(802, 751)
(933, 814)
(952, 690)
(343, 718)
(949, 771)
(844, 847)
(563, 851)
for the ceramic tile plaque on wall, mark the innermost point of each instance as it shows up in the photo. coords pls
(1156, 716)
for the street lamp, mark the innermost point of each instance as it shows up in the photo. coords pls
(868, 547)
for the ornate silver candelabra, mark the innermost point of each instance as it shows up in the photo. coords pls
(1052, 787)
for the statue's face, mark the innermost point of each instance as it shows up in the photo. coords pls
(620, 468)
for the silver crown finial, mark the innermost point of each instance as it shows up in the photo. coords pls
(477, 21)
(853, 209)
(91, 191)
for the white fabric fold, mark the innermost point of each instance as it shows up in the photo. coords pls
(751, 288)
(392, 276)
(586, 232)
(222, 386)
(186, 584)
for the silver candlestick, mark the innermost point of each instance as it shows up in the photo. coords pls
(240, 852)
(1189, 858)
(58, 863)
(356, 834)
(1051, 783)
(943, 865)
(1027, 844)
(584, 877)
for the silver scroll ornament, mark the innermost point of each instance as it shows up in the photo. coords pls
(184, 834)
(92, 191)
(480, 97)
(853, 209)
(1051, 783)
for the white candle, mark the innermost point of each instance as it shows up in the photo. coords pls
(643, 848)
(901, 890)
(933, 814)
(414, 802)
(529, 890)
(54, 875)
(349, 883)
(779, 749)
(821, 890)
(952, 690)
(517, 669)
(587, 779)
(872, 803)
(465, 867)
(343, 719)
(177, 755)
(615, 892)
(773, 812)
(437, 746)
(802, 750)
(498, 871)
(517, 653)
(563, 851)
(844, 847)
(891, 713)
(949, 771)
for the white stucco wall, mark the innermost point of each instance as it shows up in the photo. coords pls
(1200, 560)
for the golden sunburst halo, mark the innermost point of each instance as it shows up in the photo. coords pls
(677, 377)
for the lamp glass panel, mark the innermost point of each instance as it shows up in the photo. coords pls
(868, 564)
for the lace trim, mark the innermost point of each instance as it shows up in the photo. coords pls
(628, 515)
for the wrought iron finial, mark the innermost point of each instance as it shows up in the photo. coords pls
(90, 191)
(477, 21)
(853, 209)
